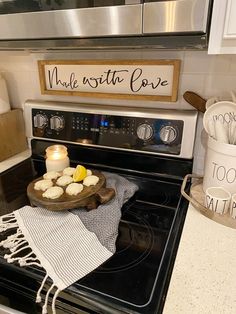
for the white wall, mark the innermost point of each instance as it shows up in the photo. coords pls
(206, 75)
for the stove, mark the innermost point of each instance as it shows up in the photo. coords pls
(150, 147)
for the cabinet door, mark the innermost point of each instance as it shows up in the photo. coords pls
(230, 20)
(223, 28)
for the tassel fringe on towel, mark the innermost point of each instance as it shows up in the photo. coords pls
(17, 243)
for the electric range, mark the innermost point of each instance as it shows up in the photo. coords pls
(150, 147)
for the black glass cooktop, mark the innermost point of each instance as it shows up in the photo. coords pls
(135, 279)
(132, 277)
(142, 238)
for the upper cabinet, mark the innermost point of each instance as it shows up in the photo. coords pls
(223, 28)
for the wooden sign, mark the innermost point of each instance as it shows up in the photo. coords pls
(129, 79)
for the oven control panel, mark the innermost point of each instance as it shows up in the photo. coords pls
(157, 135)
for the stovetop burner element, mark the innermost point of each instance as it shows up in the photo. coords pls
(134, 244)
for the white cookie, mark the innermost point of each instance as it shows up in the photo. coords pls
(51, 175)
(53, 192)
(90, 180)
(43, 185)
(64, 180)
(74, 188)
(89, 172)
(69, 171)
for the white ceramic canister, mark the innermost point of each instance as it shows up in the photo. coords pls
(4, 99)
(220, 166)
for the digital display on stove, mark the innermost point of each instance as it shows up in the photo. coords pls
(104, 123)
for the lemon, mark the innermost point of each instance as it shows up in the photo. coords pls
(80, 173)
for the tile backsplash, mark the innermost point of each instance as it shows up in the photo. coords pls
(207, 75)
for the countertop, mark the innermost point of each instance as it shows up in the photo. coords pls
(204, 275)
(8, 163)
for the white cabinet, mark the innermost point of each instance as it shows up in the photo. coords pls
(223, 28)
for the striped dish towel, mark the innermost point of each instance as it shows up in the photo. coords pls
(67, 244)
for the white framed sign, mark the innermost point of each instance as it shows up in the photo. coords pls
(129, 79)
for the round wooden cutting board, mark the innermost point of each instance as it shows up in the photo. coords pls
(89, 198)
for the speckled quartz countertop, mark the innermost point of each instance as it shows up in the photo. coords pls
(204, 275)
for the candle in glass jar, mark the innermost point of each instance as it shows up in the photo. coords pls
(56, 158)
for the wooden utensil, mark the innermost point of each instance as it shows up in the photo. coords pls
(195, 100)
(90, 198)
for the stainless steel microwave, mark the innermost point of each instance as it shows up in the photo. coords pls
(84, 23)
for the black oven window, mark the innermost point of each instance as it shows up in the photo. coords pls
(21, 6)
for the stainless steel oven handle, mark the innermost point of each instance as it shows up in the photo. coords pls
(101, 307)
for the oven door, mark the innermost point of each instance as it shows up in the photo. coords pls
(69, 19)
(175, 16)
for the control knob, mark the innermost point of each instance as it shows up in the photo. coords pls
(168, 134)
(144, 131)
(40, 120)
(56, 123)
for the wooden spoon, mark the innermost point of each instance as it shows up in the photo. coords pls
(195, 100)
